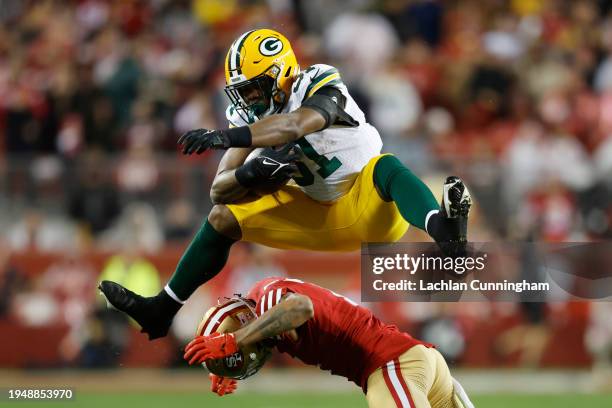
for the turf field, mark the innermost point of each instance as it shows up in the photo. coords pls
(300, 400)
(291, 388)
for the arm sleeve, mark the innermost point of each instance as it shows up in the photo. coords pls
(330, 103)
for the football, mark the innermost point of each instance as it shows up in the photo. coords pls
(270, 188)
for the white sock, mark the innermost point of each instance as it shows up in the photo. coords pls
(171, 293)
(428, 216)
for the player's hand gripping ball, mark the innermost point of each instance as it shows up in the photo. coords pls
(266, 170)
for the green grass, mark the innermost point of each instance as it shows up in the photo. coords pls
(543, 401)
(299, 400)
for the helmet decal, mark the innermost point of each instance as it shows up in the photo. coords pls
(222, 311)
(270, 46)
(233, 57)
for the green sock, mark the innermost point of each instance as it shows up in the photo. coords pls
(203, 260)
(412, 197)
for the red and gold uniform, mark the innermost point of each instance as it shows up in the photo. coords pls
(392, 367)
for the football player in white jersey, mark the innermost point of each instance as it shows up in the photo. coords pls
(302, 170)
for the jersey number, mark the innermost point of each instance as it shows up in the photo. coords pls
(300, 77)
(326, 166)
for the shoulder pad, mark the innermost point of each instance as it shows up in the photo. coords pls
(314, 78)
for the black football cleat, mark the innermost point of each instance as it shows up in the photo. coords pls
(449, 226)
(153, 314)
(456, 202)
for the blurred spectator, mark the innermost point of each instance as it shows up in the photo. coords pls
(11, 280)
(396, 105)
(136, 229)
(598, 341)
(133, 272)
(415, 19)
(258, 263)
(180, 220)
(138, 172)
(100, 341)
(363, 43)
(69, 280)
(549, 214)
(533, 333)
(95, 109)
(106, 333)
(195, 113)
(43, 232)
(94, 201)
(34, 307)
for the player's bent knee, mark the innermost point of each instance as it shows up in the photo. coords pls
(224, 222)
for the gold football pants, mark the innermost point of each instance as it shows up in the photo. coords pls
(418, 378)
(289, 219)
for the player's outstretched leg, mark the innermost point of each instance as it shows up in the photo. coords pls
(154, 314)
(204, 258)
(445, 223)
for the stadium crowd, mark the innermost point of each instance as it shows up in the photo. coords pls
(515, 96)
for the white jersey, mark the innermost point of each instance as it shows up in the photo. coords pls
(333, 157)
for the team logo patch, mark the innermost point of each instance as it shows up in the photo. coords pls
(270, 46)
(234, 361)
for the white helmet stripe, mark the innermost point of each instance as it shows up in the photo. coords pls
(216, 317)
(234, 51)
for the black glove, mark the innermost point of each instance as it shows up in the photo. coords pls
(199, 140)
(270, 169)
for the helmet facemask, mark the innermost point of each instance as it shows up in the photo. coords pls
(258, 97)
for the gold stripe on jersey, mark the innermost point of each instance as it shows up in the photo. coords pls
(322, 83)
(321, 80)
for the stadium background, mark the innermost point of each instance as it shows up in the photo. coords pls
(514, 96)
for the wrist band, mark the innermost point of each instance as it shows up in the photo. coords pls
(239, 136)
(244, 175)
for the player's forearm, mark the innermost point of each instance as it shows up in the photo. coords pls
(276, 130)
(226, 188)
(287, 315)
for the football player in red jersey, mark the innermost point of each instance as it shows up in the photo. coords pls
(334, 333)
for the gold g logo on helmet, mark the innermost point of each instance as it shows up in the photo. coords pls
(270, 46)
(259, 69)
